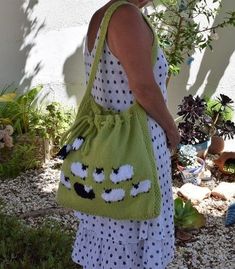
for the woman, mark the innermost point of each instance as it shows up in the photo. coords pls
(125, 74)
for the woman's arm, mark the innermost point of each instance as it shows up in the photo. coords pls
(130, 39)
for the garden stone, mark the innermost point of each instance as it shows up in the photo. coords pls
(224, 191)
(194, 193)
(205, 175)
(211, 184)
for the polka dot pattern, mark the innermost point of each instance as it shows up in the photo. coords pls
(105, 243)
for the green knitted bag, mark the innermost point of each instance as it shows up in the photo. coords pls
(109, 168)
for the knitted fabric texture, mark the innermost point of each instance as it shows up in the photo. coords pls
(109, 168)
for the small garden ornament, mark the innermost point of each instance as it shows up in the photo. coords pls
(190, 165)
(6, 139)
(230, 215)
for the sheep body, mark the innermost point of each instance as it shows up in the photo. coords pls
(141, 187)
(123, 173)
(79, 169)
(113, 195)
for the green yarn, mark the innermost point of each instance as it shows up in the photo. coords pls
(113, 172)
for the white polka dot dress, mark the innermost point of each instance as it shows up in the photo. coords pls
(104, 243)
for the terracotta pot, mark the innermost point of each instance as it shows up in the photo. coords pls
(217, 145)
(222, 160)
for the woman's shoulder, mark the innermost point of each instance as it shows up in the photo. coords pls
(128, 13)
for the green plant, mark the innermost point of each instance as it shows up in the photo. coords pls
(22, 158)
(186, 216)
(221, 113)
(229, 166)
(180, 31)
(22, 247)
(187, 156)
(5, 98)
(51, 122)
(197, 125)
(32, 126)
(212, 107)
(17, 109)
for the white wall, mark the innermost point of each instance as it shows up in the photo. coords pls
(41, 43)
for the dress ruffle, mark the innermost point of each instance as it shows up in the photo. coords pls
(128, 231)
(94, 252)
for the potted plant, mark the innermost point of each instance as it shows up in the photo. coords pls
(197, 126)
(189, 164)
(221, 112)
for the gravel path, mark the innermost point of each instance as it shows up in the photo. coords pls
(31, 196)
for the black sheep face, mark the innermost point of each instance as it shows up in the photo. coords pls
(63, 152)
(98, 175)
(84, 191)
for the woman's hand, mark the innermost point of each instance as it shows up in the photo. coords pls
(173, 137)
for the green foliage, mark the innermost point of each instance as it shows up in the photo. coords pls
(186, 216)
(48, 121)
(180, 31)
(229, 166)
(51, 122)
(187, 156)
(21, 247)
(4, 98)
(18, 109)
(29, 121)
(213, 107)
(22, 158)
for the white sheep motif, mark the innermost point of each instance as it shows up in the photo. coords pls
(77, 143)
(65, 180)
(113, 195)
(80, 170)
(123, 173)
(141, 187)
(98, 175)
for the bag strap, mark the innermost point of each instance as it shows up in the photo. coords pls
(104, 26)
(103, 30)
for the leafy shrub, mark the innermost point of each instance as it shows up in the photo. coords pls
(18, 108)
(47, 121)
(51, 122)
(32, 126)
(21, 247)
(213, 107)
(22, 158)
(180, 29)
